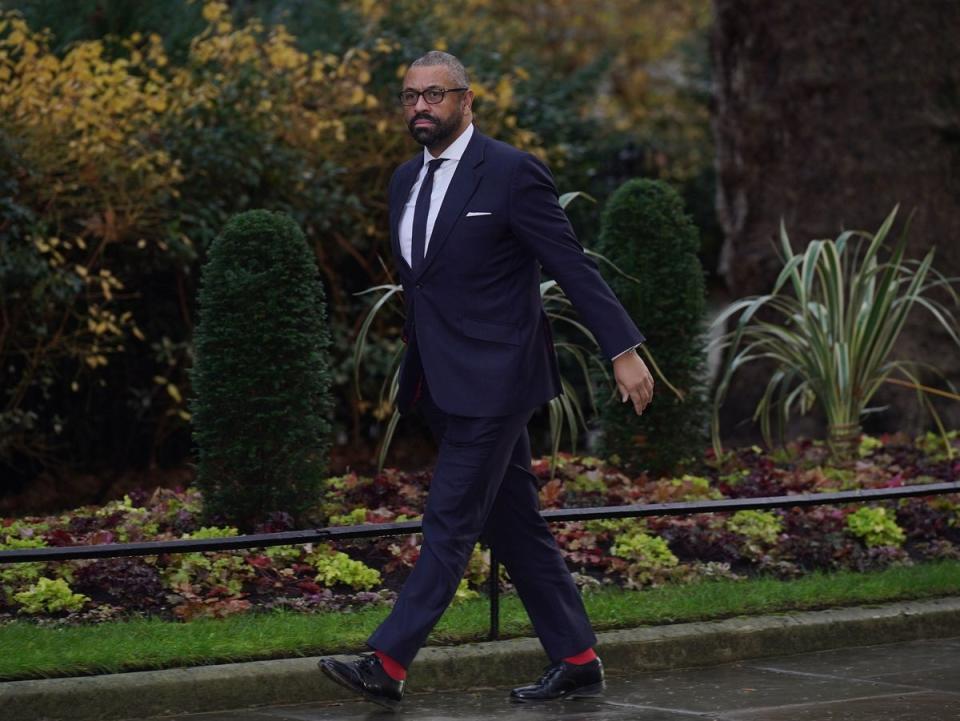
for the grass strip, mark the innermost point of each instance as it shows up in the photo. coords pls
(31, 651)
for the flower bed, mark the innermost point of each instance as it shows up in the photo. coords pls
(633, 553)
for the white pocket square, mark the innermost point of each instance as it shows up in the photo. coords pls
(473, 214)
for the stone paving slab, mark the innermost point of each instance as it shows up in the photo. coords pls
(906, 707)
(734, 687)
(916, 657)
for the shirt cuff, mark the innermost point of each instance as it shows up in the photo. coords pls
(633, 347)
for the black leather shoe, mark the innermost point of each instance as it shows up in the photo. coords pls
(365, 675)
(564, 679)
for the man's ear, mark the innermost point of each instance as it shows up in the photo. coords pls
(468, 100)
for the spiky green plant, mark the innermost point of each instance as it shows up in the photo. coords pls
(262, 405)
(836, 331)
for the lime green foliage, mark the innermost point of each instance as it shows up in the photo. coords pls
(356, 517)
(213, 570)
(283, 554)
(590, 482)
(839, 311)
(213, 532)
(647, 557)
(843, 479)
(262, 374)
(135, 524)
(868, 444)
(337, 483)
(168, 505)
(944, 505)
(335, 567)
(478, 567)
(111, 507)
(654, 270)
(735, 478)
(464, 592)
(759, 526)
(782, 455)
(937, 447)
(49, 595)
(335, 489)
(696, 487)
(226, 570)
(616, 525)
(643, 547)
(876, 527)
(16, 576)
(21, 528)
(14, 542)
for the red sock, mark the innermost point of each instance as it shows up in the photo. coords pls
(581, 658)
(394, 670)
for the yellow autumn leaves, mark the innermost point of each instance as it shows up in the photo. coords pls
(91, 125)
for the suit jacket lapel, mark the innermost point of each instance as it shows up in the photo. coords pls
(462, 187)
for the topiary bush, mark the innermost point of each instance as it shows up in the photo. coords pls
(647, 235)
(261, 377)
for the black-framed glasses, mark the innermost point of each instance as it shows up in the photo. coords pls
(431, 95)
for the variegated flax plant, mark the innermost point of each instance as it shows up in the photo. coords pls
(837, 331)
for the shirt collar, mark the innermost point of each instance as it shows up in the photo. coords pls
(456, 149)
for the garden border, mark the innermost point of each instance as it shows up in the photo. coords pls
(377, 530)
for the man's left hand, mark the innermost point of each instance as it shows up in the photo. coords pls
(633, 380)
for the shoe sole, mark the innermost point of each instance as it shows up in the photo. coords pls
(591, 691)
(379, 700)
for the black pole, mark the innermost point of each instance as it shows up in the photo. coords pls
(377, 530)
(494, 596)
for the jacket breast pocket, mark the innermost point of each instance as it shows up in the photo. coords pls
(497, 332)
(485, 224)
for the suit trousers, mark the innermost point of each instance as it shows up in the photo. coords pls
(483, 489)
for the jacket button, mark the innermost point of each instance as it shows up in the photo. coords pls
(419, 285)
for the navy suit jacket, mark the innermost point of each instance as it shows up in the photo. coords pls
(475, 325)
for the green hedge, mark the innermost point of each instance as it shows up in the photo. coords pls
(262, 403)
(647, 234)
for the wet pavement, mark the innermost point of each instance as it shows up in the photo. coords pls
(914, 681)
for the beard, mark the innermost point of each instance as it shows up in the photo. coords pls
(438, 132)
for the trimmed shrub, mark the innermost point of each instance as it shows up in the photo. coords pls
(262, 375)
(647, 235)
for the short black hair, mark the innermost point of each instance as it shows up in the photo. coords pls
(438, 57)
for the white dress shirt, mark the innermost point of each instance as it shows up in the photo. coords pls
(441, 181)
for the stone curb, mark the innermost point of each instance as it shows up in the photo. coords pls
(499, 663)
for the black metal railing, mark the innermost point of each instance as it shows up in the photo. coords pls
(377, 530)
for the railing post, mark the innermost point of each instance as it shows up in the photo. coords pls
(494, 596)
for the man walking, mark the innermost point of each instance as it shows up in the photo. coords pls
(472, 221)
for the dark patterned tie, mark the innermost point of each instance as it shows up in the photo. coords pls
(420, 213)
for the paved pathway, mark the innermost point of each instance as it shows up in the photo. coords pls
(915, 681)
